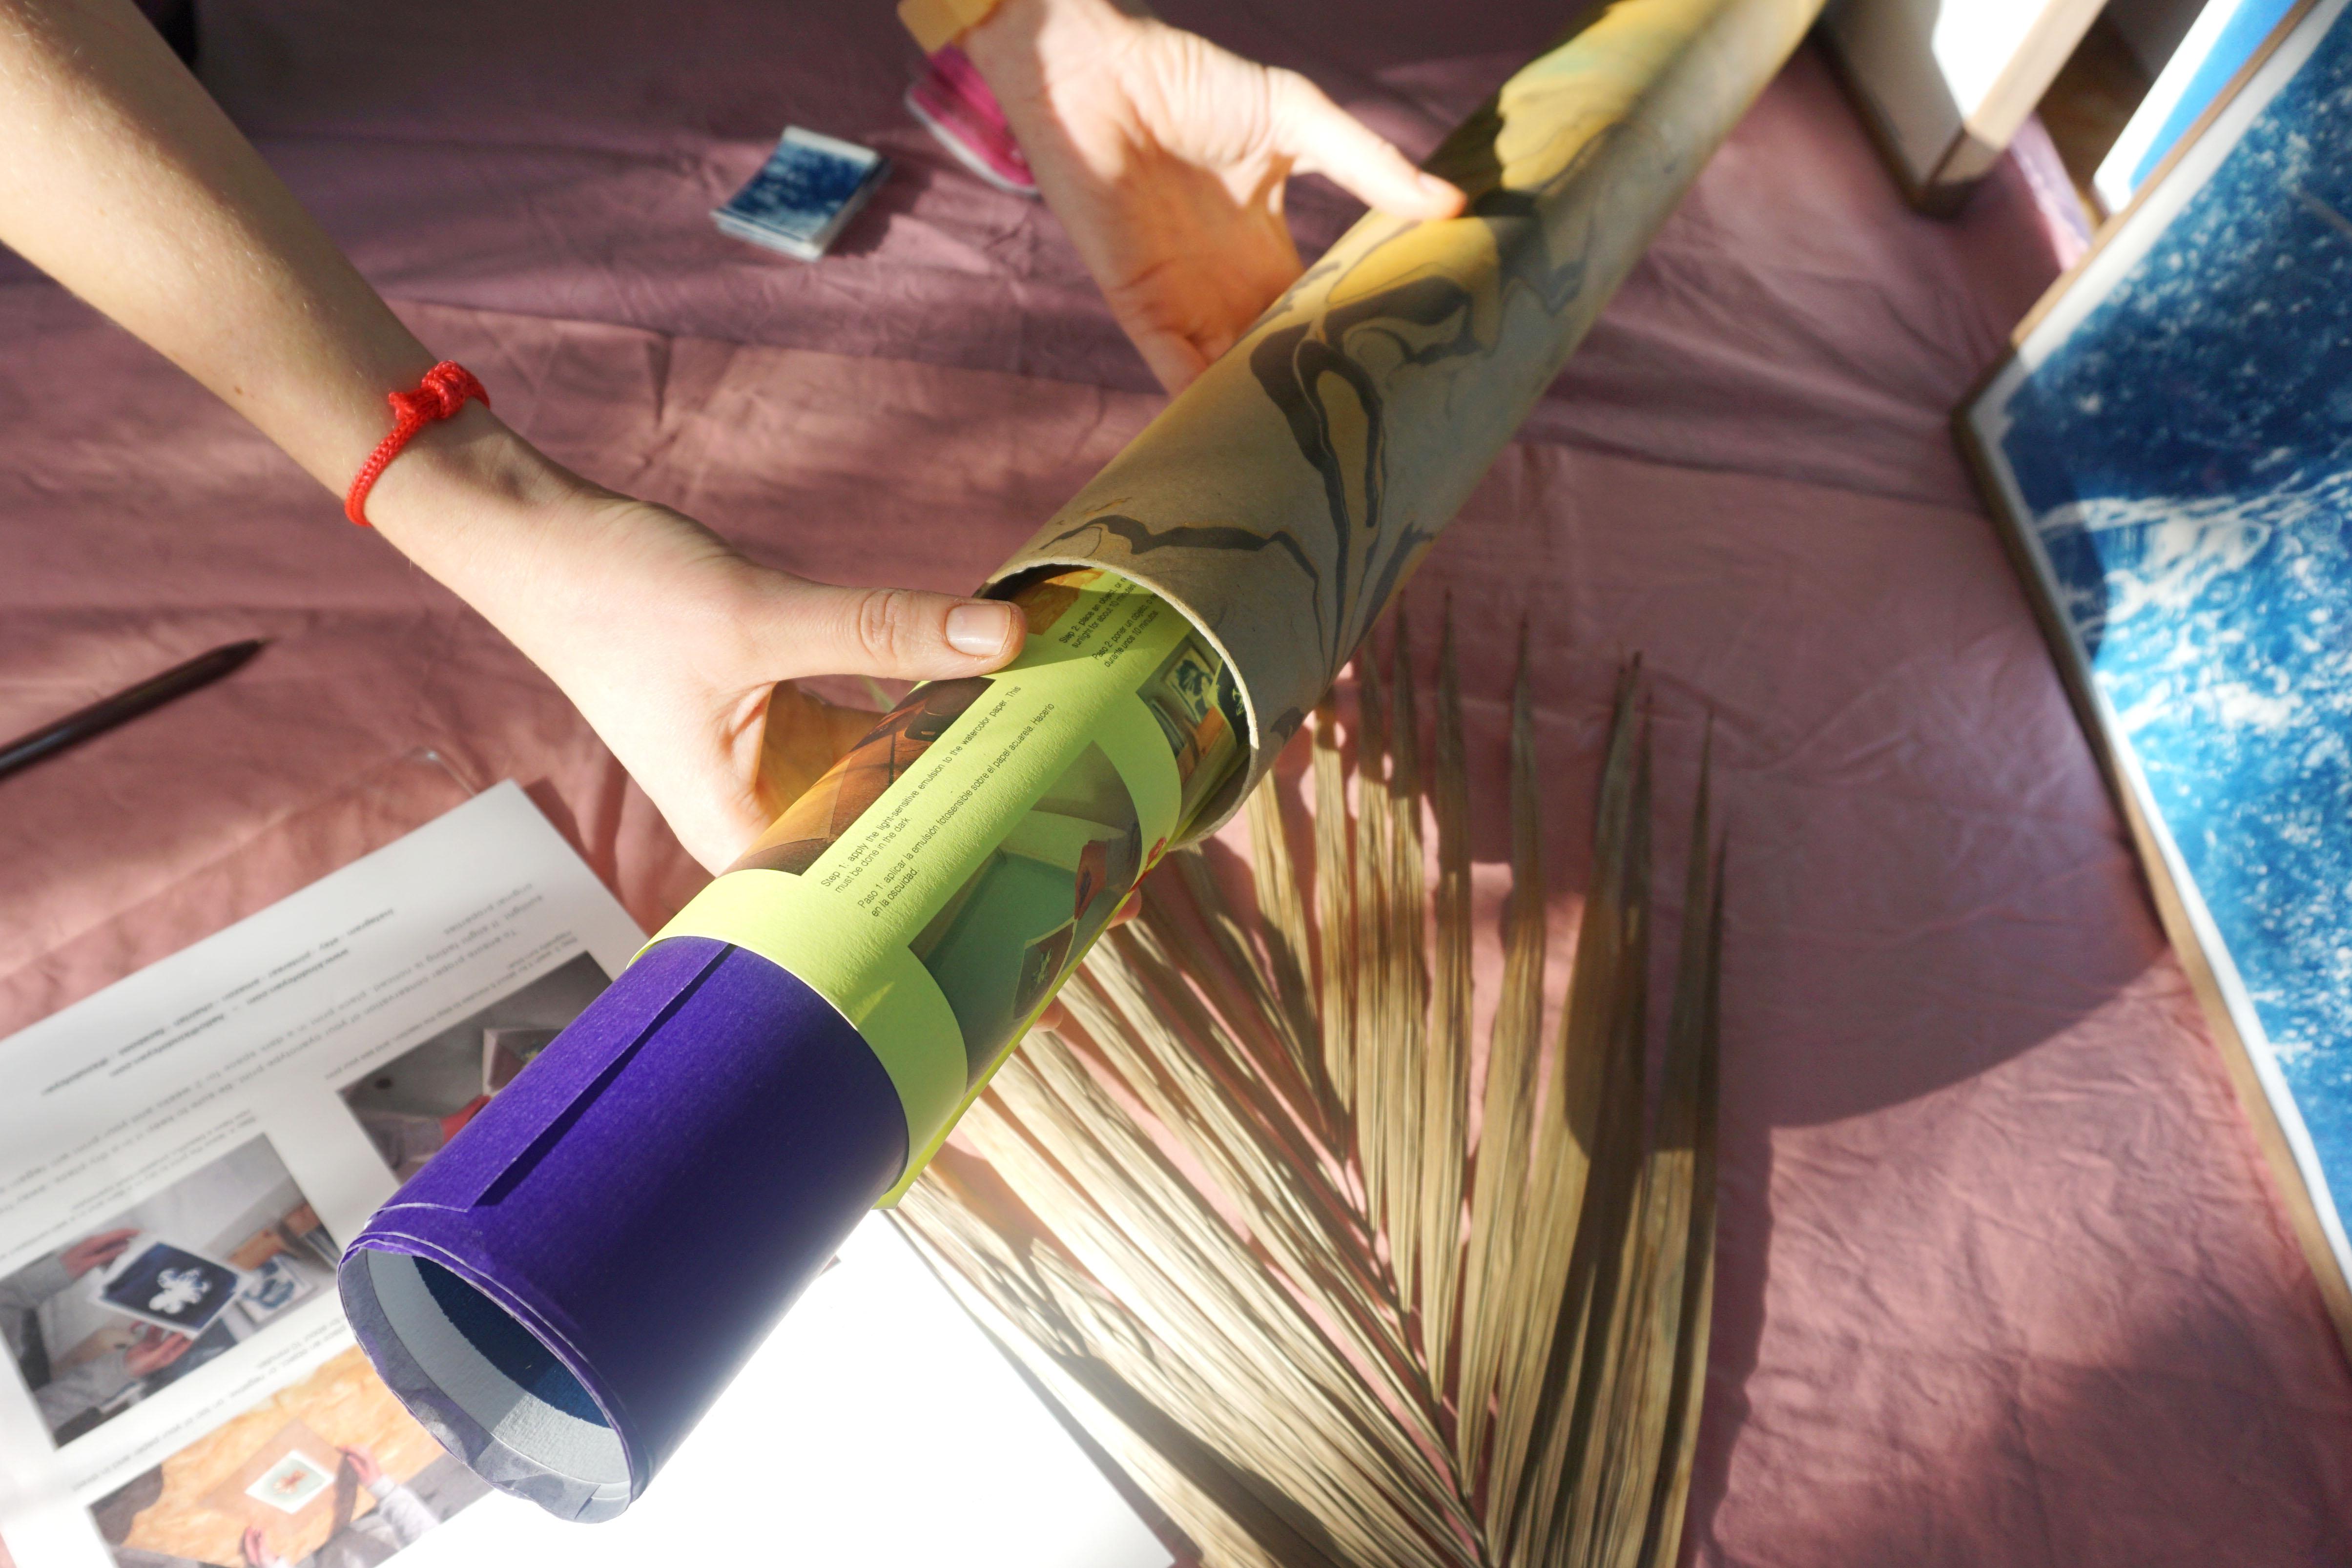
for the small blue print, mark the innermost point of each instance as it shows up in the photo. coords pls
(803, 192)
(798, 184)
(2187, 455)
(164, 1284)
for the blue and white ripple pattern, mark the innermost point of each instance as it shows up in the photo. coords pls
(2187, 455)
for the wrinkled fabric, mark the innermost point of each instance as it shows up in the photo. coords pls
(2003, 1279)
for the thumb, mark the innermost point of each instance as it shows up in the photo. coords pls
(892, 634)
(1323, 138)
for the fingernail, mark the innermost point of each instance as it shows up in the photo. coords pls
(980, 629)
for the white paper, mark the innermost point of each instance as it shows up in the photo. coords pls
(878, 1428)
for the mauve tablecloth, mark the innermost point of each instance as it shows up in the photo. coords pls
(2003, 1279)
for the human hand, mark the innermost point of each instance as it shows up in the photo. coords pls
(804, 736)
(666, 638)
(153, 1350)
(96, 1251)
(255, 1546)
(1165, 158)
(363, 1466)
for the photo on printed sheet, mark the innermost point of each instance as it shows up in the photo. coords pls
(1005, 937)
(147, 1295)
(414, 1104)
(331, 1473)
(290, 1482)
(170, 1287)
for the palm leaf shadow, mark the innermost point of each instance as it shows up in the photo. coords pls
(1233, 1217)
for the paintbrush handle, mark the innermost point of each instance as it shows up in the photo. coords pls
(124, 705)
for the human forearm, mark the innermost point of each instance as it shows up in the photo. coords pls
(123, 180)
(127, 183)
(403, 1512)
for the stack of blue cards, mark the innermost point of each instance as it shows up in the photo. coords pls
(809, 188)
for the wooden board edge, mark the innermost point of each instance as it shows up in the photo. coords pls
(1980, 137)
(2044, 52)
(2108, 230)
(1922, 190)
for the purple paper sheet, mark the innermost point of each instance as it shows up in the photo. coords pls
(714, 1125)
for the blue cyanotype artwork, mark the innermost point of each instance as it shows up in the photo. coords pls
(803, 194)
(171, 1287)
(2181, 451)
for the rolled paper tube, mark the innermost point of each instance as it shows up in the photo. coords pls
(1282, 498)
(561, 1292)
(567, 1286)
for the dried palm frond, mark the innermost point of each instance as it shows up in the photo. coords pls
(1233, 1218)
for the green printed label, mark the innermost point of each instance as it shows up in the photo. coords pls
(941, 881)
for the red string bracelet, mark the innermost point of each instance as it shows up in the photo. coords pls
(443, 392)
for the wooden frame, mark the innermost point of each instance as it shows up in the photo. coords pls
(2261, 1088)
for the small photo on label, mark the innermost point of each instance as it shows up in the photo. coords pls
(289, 1484)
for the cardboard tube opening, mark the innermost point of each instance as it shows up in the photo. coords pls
(487, 1385)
